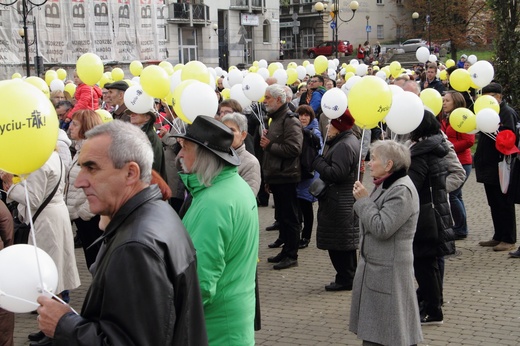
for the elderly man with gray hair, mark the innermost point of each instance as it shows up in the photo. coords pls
(145, 287)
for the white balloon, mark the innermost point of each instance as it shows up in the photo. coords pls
(343, 71)
(472, 59)
(191, 97)
(351, 81)
(301, 71)
(57, 84)
(331, 65)
(235, 77)
(211, 70)
(262, 63)
(212, 82)
(238, 95)
(264, 72)
(361, 70)
(481, 73)
(280, 65)
(137, 101)
(334, 103)
(225, 83)
(396, 89)
(21, 279)
(354, 62)
(281, 76)
(381, 74)
(406, 113)
(175, 79)
(488, 120)
(422, 54)
(254, 86)
(432, 58)
(336, 63)
(137, 80)
(311, 71)
(218, 71)
(331, 73)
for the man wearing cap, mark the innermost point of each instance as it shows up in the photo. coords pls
(282, 146)
(463, 58)
(144, 287)
(222, 221)
(116, 97)
(486, 159)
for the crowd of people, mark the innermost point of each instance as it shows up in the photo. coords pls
(178, 204)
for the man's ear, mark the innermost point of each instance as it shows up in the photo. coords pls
(133, 173)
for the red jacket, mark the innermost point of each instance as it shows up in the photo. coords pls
(462, 142)
(87, 97)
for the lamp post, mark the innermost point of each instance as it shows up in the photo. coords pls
(334, 12)
(37, 58)
(415, 16)
(367, 28)
(428, 19)
(27, 7)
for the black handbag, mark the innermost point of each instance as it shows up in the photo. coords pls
(21, 229)
(318, 188)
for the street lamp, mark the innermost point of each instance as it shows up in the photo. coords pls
(334, 12)
(27, 7)
(415, 16)
(37, 58)
(367, 17)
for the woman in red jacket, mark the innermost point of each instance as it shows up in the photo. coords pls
(462, 143)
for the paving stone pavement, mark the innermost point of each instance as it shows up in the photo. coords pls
(481, 296)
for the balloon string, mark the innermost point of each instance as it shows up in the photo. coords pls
(360, 150)
(33, 235)
(164, 118)
(60, 300)
(258, 117)
(2, 293)
(490, 135)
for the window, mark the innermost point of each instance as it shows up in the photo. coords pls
(379, 2)
(380, 32)
(266, 31)
(287, 36)
(399, 31)
(307, 37)
(187, 45)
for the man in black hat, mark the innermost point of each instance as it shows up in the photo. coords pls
(282, 146)
(222, 221)
(116, 97)
(486, 161)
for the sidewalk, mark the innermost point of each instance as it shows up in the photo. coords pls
(481, 292)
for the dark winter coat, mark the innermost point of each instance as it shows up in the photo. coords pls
(338, 226)
(429, 166)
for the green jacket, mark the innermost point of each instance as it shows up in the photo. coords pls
(223, 224)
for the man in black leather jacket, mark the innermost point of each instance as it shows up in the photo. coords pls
(145, 287)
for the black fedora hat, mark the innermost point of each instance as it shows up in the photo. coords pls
(212, 135)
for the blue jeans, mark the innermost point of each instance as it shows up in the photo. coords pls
(458, 211)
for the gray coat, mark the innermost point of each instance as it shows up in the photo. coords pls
(384, 304)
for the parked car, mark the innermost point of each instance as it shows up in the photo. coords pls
(328, 48)
(413, 44)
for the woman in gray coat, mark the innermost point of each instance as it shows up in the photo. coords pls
(338, 227)
(384, 307)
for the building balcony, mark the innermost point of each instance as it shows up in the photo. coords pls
(197, 13)
(247, 5)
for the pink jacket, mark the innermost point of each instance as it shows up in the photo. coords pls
(87, 97)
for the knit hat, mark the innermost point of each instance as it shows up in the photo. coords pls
(505, 142)
(344, 122)
(492, 88)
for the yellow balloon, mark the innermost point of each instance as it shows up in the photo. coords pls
(292, 75)
(168, 67)
(443, 75)
(369, 100)
(463, 120)
(375, 68)
(169, 99)
(321, 64)
(486, 101)
(255, 63)
(136, 67)
(104, 115)
(16, 75)
(105, 79)
(129, 82)
(460, 80)
(366, 127)
(226, 93)
(450, 63)
(351, 68)
(432, 99)
(70, 88)
(253, 69)
(178, 67)
(292, 64)
(272, 67)
(89, 68)
(348, 75)
(231, 68)
(305, 63)
(155, 81)
(195, 70)
(176, 96)
(344, 65)
(62, 74)
(40, 84)
(50, 75)
(395, 68)
(262, 99)
(386, 70)
(28, 127)
(117, 74)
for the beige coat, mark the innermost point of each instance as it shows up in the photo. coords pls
(249, 168)
(52, 227)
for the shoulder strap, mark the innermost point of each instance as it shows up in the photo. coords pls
(48, 199)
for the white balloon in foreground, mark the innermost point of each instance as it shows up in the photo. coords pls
(488, 120)
(20, 284)
(334, 103)
(406, 113)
